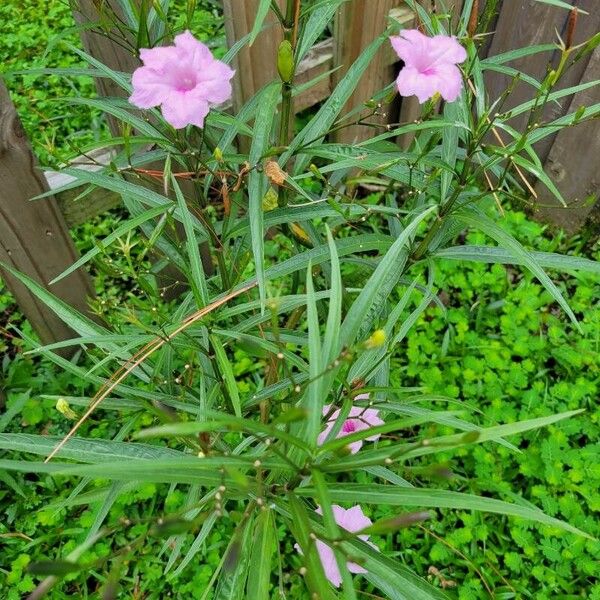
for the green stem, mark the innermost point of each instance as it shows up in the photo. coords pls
(286, 95)
(444, 211)
(286, 112)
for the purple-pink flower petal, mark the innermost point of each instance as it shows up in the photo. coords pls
(359, 418)
(429, 65)
(179, 111)
(411, 45)
(185, 80)
(352, 520)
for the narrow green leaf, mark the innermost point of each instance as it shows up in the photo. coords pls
(315, 26)
(300, 526)
(234, 572)
(227, 374)
(80, 323)
(258, 182)
(493, 254)
(407, 451)
(562, 4)
(323, 120)
(261, 559)
(450, 139)
(331, 342)
(432, 498)
(487, 226)
(313, 401)
(196, 546)
(261, 13)
(221, 422)
(198, 278)
(391, 262)
(500, 59)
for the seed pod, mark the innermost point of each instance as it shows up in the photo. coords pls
(275, 173)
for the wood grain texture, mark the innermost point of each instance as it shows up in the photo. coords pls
(255, 65)
(524, 23)
(79, 204)
(100, 46)
(33, 235)
(574, 162)
(358, 23)
(318, 61)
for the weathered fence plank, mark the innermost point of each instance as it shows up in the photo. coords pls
(574, 169)
(524, 23)
(358, 23)
(98, 44)
(527, 23)
(33, 235)
(255, 65)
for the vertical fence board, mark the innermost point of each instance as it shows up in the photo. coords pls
(575, 170)
(527, 23)
(358, 23)
(33, 236)
(255, 65)
(524, 23)
(105, 50)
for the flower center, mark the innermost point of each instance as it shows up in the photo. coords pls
(186, 83)
(348, 426)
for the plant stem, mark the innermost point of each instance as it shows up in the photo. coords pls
(289, 31)
(444, 210)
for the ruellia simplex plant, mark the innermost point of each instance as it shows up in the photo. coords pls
(279, 455)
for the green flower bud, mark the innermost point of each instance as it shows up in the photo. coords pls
(62, 406)
(285, 61)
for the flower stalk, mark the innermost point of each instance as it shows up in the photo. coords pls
(287, 69)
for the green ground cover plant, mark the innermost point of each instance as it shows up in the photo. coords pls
(200, 471)
(552, 369)
(36, 34)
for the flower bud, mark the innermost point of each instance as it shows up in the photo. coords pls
(62, 406)
(578, 114)
(285, 61)
(269, 201)
(376, 340)
(218, 154)
(300, 235)
(552, 77)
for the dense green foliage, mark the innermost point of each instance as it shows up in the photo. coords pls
(507, 356)
(35, 34)
(491, 347)
(55, 128)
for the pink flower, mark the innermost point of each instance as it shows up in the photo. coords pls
(185, 80)
(351, 520)
(429, 65)
(359, 419)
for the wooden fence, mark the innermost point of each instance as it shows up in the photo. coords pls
(34, 236)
